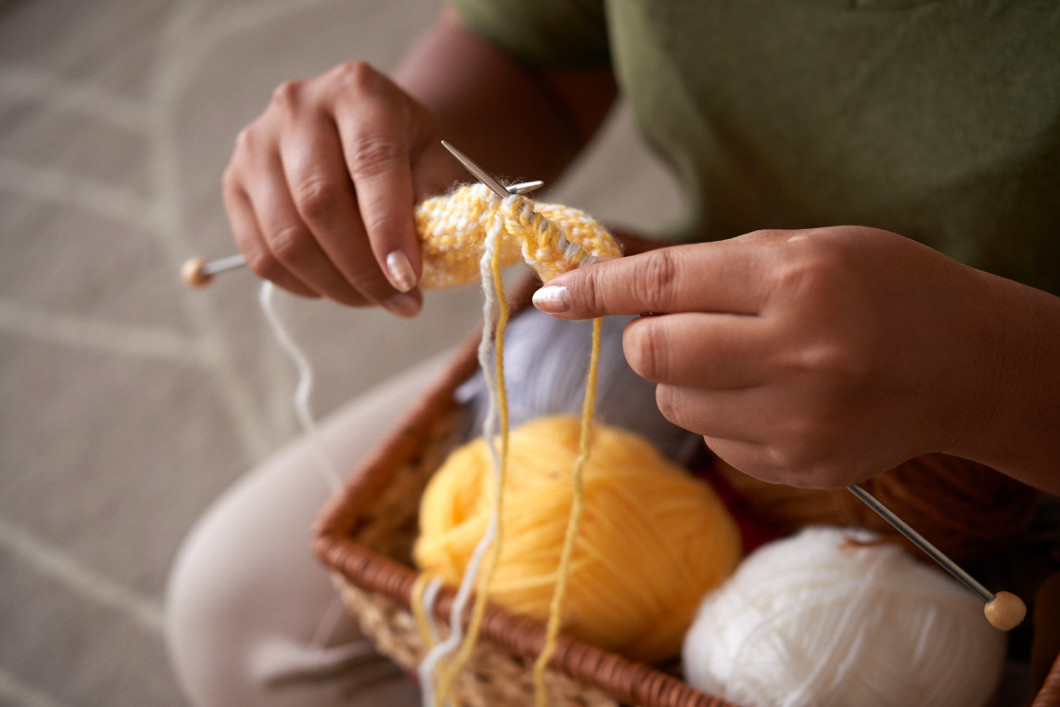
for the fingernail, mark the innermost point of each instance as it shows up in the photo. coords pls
(553, 299)
(402, 305)
(402, 276)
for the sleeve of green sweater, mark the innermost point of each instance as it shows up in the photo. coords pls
(555, 34)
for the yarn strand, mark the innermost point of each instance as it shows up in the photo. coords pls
(304, 388)
(421, 599)
(555, 613)
(496, 283)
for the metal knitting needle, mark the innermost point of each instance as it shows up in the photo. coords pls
(1003, 610)
(480, 174)
(199, 272)
(499, 189)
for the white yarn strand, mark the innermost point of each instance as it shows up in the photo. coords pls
(430, 595)
(456, 633)
(304, 388)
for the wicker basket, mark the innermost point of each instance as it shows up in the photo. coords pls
(365, 536)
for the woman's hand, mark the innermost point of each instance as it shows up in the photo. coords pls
(822, 357)
(321, 188)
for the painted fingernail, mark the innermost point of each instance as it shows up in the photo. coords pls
(402, 305)
(401, 274)
(553, 299)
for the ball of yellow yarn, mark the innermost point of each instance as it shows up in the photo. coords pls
(652, 540)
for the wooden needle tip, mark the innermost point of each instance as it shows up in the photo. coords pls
(192, 273)
(1005, 611)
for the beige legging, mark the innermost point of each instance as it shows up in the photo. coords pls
(252, 618)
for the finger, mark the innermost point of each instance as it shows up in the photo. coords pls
(378, 154)
(290, 241)
(740, 415)
(751, 458)
(252, 245)
(710, 277)
(721, 351)
(323, 196)
(765, 463)
(790, 445)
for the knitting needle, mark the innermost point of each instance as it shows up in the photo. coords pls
(480, 174)
(1003, 610)
(199, 272)
(498, 189)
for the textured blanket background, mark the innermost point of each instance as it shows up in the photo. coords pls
(128, 402)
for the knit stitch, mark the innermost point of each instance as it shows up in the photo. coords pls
(551, 238)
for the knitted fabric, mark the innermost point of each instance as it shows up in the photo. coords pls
(551, 238)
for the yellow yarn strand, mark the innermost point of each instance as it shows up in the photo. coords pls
(479, 607)
(419, 613)
(563, 573)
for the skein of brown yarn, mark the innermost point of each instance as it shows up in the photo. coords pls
(966, 509)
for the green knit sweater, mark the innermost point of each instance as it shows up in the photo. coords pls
(936, 119)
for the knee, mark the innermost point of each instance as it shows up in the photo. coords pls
(251, 617)
(208, 626)
(238, 636)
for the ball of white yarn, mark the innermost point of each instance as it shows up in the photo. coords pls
(817, 620)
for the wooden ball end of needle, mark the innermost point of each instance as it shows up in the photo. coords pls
(192, 272)
(1005, 611)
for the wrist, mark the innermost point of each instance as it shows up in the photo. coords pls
(1013, 420)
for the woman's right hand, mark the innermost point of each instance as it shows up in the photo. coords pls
(321, 188)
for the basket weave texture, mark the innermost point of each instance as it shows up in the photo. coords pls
(365, 537)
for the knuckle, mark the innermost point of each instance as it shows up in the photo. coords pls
(834, 359)
(655, 281)
(316, 198)
(261, 262)
(369, 281)
(804, 450)
(287, 95)
(357, 81)
(248, 143)
(814, 270)
(380, 223)
(374, 154)
(252, 144)
(664, 400)
(356, 74)
(588, 290)
(646, 350)
(230, 181)
(245, 139)
(289, 243)
(836, 363)
(792, 459)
